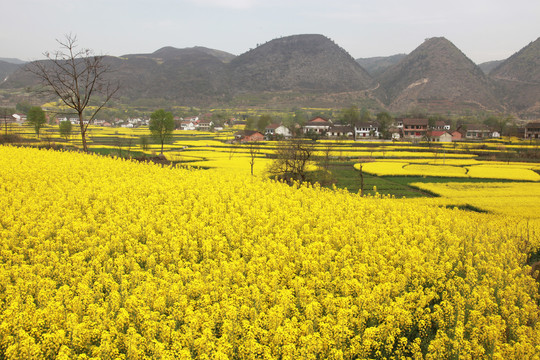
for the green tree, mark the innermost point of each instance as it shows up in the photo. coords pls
(300, 117)
(385, 120)
(250, 123)
(264, 121)
(350, 115)
(498, 123)
(143, 142)
(365, 115)
(36, 117)
(161, 126)
(65, 128)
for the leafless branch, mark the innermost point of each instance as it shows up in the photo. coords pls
(75, 76)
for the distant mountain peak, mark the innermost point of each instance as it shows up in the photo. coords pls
(439, 77)
(300, 62)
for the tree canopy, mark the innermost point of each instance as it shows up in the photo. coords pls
(65, 128)
(161, 126)
(36, 117)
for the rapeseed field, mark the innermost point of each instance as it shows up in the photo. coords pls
(113, 259)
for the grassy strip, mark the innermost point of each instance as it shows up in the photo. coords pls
(347, 177)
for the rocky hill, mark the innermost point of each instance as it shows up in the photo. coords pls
(518, 81)
(299, 62)
(437, 77)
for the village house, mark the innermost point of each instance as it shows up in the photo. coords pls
(205, 125)
(73, 120)
(317, 125)
(532, 130)
(441, 125)
(414, 129)
(187, 125)
(457, 135)
(440, 136)
(477, 131)
(367, 130)
(340, 131)
(192, 119)
(19, 118)
(395, 132)
(248, 136)
(277, 130)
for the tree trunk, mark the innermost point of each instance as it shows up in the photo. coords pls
(83, 132)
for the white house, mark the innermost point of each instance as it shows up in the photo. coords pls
(273, 130)
(74, 121)
(205, 125)
(340, 131)
(367, 130)
(478, 131)
(187, 125)
(441, 125)
(19, 118)
(317, 125)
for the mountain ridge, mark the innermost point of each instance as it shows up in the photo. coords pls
(312, 70)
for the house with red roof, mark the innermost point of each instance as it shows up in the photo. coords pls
(439, 136)
(248, 136)
(317, 125)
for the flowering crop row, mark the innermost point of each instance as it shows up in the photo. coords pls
(518, 199)
(104, 258)
(454, 168)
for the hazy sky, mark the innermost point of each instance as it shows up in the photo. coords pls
(483, 29)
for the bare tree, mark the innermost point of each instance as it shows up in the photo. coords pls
(327, 151)
(292, 160)
(361, 163)
(254, 149)
(76, 76)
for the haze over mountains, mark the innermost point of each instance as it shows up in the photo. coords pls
(311, 70)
